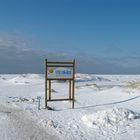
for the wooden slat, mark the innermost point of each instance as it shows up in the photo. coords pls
(60, 65)
(53, 62)
(59, 100)
(60, 79)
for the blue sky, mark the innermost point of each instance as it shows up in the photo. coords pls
(102, 35)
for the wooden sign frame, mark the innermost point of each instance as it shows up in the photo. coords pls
(70, 79)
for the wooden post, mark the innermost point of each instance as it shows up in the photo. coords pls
(73, 84)
(49, 89)
(46, 83)
(70, 89)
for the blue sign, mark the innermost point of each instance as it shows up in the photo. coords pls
(60, 72)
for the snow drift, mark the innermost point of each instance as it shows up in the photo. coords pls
(110, 117)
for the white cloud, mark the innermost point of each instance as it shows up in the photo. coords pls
(8, 40)
(18, 55)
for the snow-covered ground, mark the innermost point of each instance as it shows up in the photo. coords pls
(107, 107)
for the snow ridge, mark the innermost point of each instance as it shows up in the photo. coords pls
(110, 117)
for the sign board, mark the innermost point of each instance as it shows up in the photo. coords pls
(60, 72)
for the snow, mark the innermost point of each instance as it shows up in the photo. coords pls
(16, 124)
(106, 107)
(110, 117)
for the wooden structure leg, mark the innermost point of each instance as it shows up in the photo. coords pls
(70, 89)
(49, 89)
(46, 92)
(73, 93)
